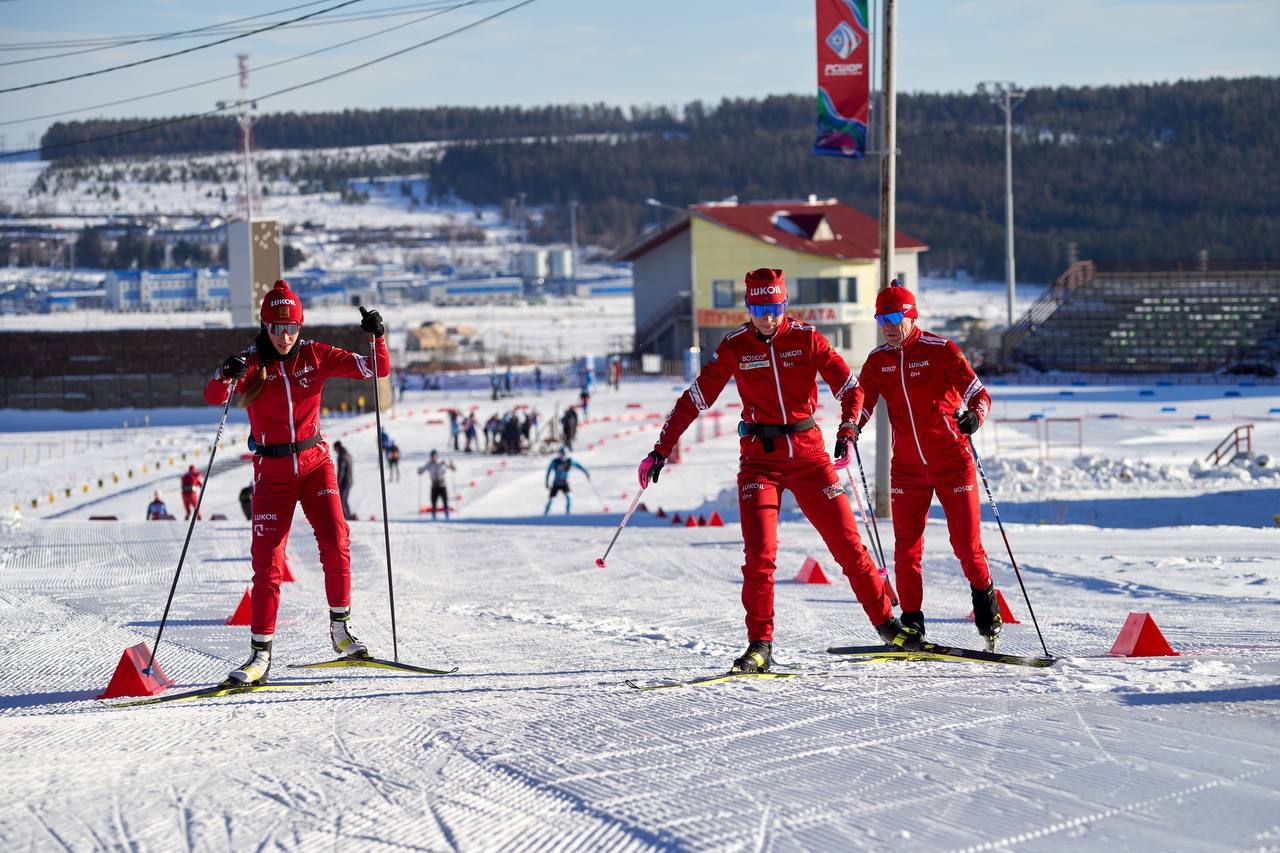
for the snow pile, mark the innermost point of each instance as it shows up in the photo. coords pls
(1102, 473)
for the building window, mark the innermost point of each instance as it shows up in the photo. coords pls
(812, 291)
(724, 293)
(838, 336)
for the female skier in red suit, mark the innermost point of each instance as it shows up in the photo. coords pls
(279, 379)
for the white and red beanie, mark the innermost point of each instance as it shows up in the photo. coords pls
(895, 297)
(281, 304)
(766, 287)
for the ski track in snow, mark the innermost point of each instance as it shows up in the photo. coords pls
(536, 742)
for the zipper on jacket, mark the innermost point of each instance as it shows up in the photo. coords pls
(902, 374)
(777, 383)
(293, 434)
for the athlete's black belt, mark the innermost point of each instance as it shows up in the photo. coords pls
(768, 432)
(284, 449)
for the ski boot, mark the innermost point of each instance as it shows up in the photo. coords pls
(757, 657)
(894, 633)
(913, 619)
(986, 614)
(256, 669)
(344, 642)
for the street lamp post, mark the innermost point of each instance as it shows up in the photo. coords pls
(694, 363)
(1006, 96)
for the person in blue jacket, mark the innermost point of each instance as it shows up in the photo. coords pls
(560, 468)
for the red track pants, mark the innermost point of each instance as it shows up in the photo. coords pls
(913, 488)
(189, 500)
(817, 489)
(276, 493)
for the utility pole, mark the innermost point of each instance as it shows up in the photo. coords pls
(573, 240)
(249, 183)
(888, 222)
(1006, 96)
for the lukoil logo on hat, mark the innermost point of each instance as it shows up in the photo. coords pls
(766, 286)
(281, 305)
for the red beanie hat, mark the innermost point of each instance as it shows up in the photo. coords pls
(766, 287)
(281, 305)
(895, 297)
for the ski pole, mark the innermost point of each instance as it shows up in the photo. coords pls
(995, 509)
(600, 561)
(382, 482)
(866, 525)
(599, 497)
(208, 471)
(866, 493)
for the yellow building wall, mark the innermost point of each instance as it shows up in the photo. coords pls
(722, 253)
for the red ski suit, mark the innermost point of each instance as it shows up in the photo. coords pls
(777, 383)
(191, 486)
(923, 382)
(288, 411)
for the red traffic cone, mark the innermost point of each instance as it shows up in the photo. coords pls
(131, 677)
(244, 612)
(702, 521)
(811, 572)
(715, 520)
(675, 518)
(473, 484)
(662, 513)
(1006, 615)
(1141, 638)
(286, 576)
(691, 522)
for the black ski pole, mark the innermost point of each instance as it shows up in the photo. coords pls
(208, 471)
(871, 508)
(382, 481)
(995, 509)
(866, 525)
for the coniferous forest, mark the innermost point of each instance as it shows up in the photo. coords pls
(1141, 172)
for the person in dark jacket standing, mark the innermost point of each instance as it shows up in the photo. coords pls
(344, 479)
(569, 422)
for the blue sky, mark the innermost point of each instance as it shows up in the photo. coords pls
(648, 52)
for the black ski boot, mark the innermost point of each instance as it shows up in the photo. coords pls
(757, 657)
(894, 633)
(256, 669)
(986, 614)
(913, 619)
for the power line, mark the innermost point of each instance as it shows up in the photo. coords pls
(278, 92)
(176, 52)
(128, 40)
(255, 69)
(224, 28)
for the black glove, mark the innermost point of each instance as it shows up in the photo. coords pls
(847, 432)
(651, 467)
(967, 421)
(371, 322)
(234, 367)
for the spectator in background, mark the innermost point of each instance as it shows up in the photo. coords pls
(156, 510)
(344, 479)
(585, 398)
(569, 422)
(472, 438)
(454, 429)
(191, 486)
(393, 462)
(246, 501)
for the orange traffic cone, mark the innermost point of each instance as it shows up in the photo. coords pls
(131, 677)
(1141, 638)
(1006, 615)
(811, 572)
(244, 612)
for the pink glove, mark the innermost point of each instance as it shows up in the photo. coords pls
(651, 467)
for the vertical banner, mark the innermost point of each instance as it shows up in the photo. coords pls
(844, 78)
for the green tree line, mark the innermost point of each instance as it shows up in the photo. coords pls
(1152, 172)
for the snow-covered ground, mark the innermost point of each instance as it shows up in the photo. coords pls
(536, 742)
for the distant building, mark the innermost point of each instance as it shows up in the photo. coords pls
(168, 290)
(828, 251)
